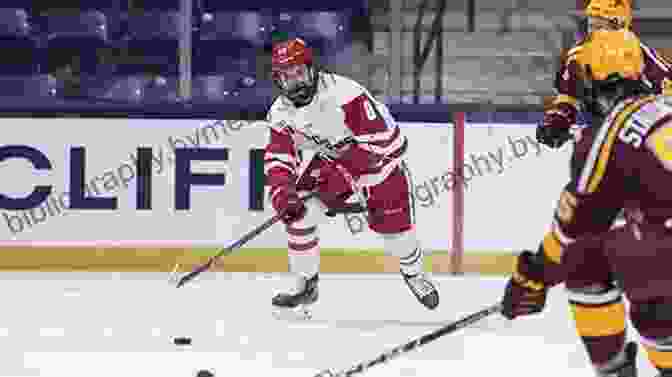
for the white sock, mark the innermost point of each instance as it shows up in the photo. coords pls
(407, 247)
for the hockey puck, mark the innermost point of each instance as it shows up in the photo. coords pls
(182, 341)
(204, 373)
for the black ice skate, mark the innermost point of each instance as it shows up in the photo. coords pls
(626, 369)
(665, 373)
(423, 289)
(296, 304)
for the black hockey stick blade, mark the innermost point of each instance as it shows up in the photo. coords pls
(413, 344)
(229, 249)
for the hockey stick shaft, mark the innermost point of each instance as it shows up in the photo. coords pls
(414, 344)
(229, 249)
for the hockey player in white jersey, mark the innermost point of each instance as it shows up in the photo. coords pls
(359, 154)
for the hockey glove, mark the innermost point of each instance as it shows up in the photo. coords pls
(334, 183)
(555, 130)
(525, 292)
(286, 200)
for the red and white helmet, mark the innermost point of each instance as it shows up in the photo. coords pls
(293, 71)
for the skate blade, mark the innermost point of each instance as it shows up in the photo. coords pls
(300, 313)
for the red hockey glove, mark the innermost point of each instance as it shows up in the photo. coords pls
(558, 121)
(334, 182)
(525, 292)
(287, 201)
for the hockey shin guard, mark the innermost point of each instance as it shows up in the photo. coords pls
(303, 249)
(405, 246)
(599, 315)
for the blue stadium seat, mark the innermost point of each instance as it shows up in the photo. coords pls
(14, 21)
(284, 5)
(323, 31)
(103, 5)
(162, 89)
(77, 34)
(154, 40)
(22, 4)
(27, 86)
(236, 6)
(155, 26)
(156, 5)
(78, 28)
(217, 88)
(20, 50)
(219, 76)
(126, 89)
(216, 57)
(141, 89)
(250, 29)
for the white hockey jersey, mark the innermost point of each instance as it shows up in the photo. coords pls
(343, 121)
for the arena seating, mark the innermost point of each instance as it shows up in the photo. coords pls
(106, 50)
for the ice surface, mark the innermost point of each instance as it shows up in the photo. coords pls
(122, 324)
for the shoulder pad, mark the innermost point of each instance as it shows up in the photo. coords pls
(340, 89)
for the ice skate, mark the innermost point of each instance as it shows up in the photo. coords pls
(296, 305)
(628, 368)
(423, 289)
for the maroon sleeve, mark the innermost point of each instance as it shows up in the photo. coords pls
(280, 161)
(656, 69)
(566, 79)
(377, 136)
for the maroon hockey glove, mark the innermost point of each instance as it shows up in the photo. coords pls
(525, 292)
(558, 121)
(287, 201)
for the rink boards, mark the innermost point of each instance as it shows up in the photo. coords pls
(507, 206)
(246, 260)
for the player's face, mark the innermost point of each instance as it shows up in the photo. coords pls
(295, 81)
(599, 23)
(293, 77)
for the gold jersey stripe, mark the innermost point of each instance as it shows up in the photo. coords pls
(594, 171)
(553, 248)
(563, 98)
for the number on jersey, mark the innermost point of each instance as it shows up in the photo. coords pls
(370, 111)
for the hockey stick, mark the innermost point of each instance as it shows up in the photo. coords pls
(345, 209)
(229, 249)
(413, 344)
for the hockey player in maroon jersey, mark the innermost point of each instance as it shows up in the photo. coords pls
(562, 114)
(602, 15)
(359, 153)
(625, 161)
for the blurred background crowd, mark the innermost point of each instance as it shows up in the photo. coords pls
(179, 52)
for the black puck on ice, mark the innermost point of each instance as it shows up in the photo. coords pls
(182, 341)
(204, 373)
